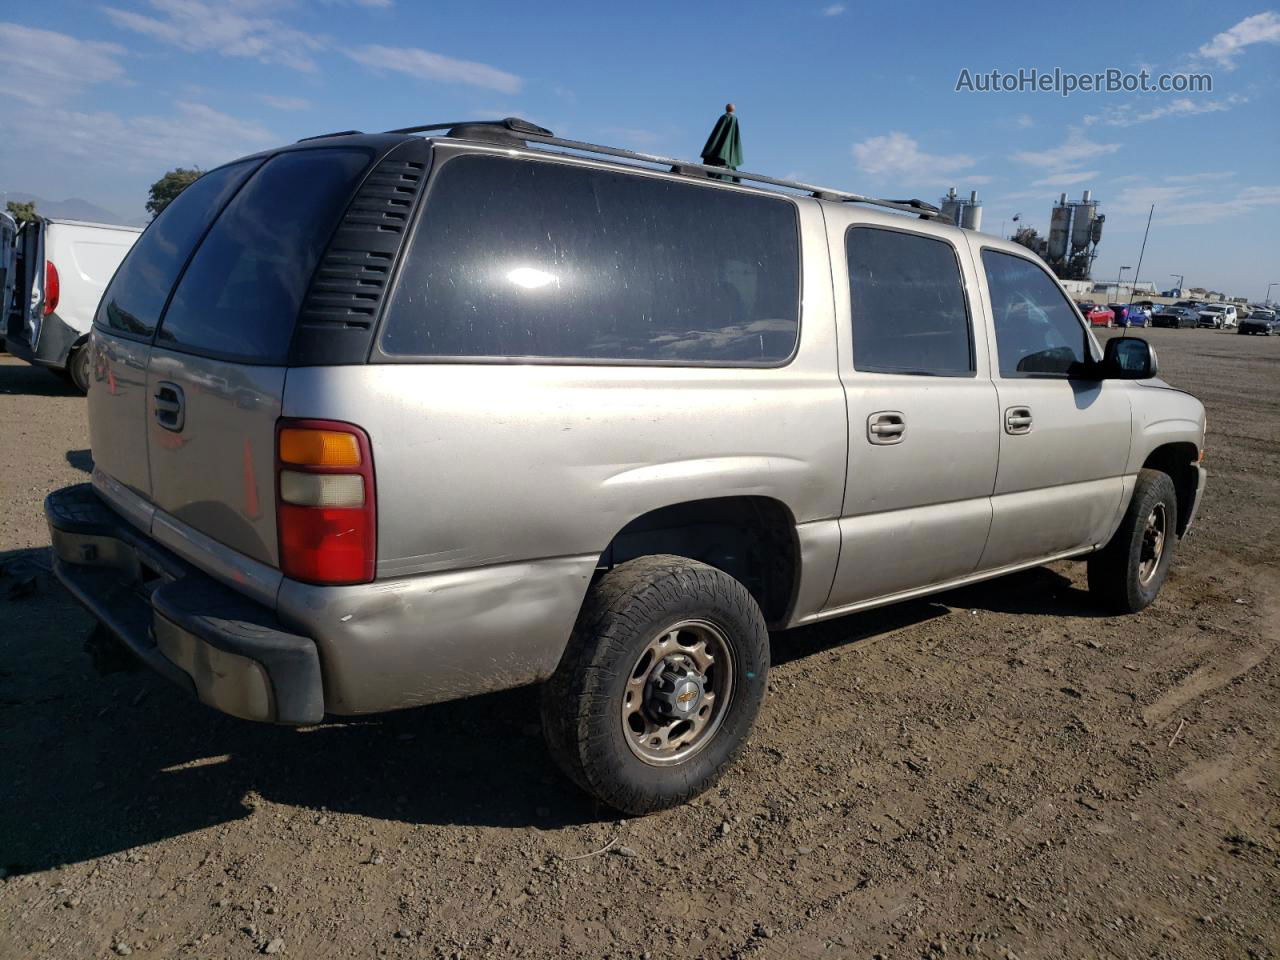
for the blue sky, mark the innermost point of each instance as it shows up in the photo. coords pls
(101, 99)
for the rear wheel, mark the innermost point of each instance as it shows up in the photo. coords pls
(1126, 574)
(660, 685)
(78, 367)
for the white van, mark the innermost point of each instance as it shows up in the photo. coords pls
(61, 267)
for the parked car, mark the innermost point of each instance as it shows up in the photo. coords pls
(1259, 324)
(1195, 305)
(62, 267)
(1136, 316)
(1219, 316)
(1101, 316)
(1176, 317)
(1262, 313)
(568, 420)
(1120, 312)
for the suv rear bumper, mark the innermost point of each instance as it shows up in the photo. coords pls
(215, 643)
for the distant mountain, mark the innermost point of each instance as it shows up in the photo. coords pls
(71, 209)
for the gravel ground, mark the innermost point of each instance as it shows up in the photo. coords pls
(999, 771)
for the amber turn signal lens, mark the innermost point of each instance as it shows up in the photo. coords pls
(319, 448)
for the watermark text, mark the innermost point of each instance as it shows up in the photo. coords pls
(1065, 82)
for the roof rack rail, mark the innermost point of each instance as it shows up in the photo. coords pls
(336, 133)
(524, 130)
(513, 124)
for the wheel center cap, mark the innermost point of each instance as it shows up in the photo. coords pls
(676, 691)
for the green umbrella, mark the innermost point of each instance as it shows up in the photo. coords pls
(724, 146)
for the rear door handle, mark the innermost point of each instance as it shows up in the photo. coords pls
(170, 406)
(886, 427)
(1017, 420)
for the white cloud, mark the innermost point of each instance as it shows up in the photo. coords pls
(425, 65)
(900, 156)
(1024, 121)
(1189, 205)
(834, 10)
(1226, 46)
(196, 25)
(42, 67)
(1074, 150)
(192, 134)
(1067, 179)
(1208, 175)
(285, 103)
(1126, 116)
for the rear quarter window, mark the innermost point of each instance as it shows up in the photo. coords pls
(239, 298)
(532, 259)
(135, 298)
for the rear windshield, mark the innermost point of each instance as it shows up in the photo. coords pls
(239, 298)
(518, 258)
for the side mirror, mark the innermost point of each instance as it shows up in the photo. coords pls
(1128, 358)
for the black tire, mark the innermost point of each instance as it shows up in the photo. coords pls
(1116, 571)
(582, 703)
(78, 368)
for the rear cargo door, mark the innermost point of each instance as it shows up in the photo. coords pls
(28, 291)
(217, 369)
(126, 321)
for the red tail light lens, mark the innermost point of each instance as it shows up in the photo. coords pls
(52, 287)
(326, 514)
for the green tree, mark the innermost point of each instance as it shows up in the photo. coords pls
(22, 212)
(167, 188)
(1029, 238)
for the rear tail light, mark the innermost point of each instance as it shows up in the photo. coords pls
(325, 511)
(52, 287)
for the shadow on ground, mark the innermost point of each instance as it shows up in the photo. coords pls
(17, 377)
(81, 459)
(99, 764)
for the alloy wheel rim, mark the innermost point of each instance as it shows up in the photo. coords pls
(678, 692)
(1153, 541)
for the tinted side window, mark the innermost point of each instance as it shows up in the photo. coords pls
(239, 298)
(517, 258)
(1037, 330)
(908, 304)
(136, 295)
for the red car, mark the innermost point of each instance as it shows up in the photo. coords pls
(1100, 317)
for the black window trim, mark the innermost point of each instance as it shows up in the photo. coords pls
(1089, 341)
(377, 355)
(255, 165)
(375, 155)
(964, 290)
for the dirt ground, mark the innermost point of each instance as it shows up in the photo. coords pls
(999, 772)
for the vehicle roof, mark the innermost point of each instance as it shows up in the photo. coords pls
(91, 223)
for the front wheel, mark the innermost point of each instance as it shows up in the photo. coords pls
(660, 685)
(1126, 574)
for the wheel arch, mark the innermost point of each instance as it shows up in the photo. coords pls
(1178, 460)
(751, 538)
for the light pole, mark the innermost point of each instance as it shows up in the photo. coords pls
(1180, 279)
(1119, 277)
(1267, 298)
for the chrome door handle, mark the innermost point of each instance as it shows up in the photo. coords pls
(886, 426)
(1017, 420)
(170, 406)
